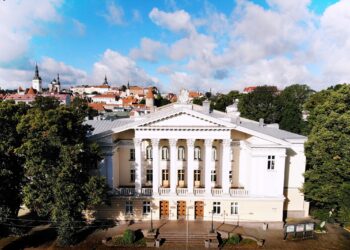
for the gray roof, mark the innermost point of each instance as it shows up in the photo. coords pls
(102, 126)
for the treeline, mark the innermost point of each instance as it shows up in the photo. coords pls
(327, 176)
(284, 107)
(46, 164)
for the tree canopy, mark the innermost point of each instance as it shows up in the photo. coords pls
(327, 151)
(11, 165)
(58, 163)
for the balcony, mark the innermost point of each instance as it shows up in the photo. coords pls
(130, 191)
(164, 191)
(216, 191)
(181, 191)
(199, 191)
(125, 191)
(238, 192)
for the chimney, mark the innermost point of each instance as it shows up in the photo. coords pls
(206, 106)
(261, 122)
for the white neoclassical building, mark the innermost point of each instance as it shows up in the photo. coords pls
(186, 160)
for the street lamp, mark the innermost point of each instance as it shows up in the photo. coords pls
(212, 222)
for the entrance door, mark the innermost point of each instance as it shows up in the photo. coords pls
(181, 209)
(199, 209)
(164, 209)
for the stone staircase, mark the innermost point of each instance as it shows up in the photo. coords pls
(180, 237)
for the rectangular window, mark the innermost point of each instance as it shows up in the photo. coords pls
(165, 175)
(129, 207)
(132, 154)
(234, 207)
(216, 207)
(213, 175)
(197, 175)
(132, 175)
(146, 207)
(149, 175)
(181, 175)
(230, 176)
(271, 162)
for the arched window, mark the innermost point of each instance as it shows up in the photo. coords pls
(197, 153)
(181, 153)
(213, 153)
(165, 153)
(149, 153)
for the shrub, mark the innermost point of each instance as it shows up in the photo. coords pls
(233, 239)
(322, 214)
(128, 236)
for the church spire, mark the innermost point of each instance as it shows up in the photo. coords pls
(36, 76)
(105, 82)
(58, 79)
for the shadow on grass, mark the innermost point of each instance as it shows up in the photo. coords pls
(95, 226)
(35, 239)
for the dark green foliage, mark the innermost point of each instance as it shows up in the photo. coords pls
(233, 240)
(261, 103)
(143, 101)
(290, 105)
(160, 101)
(327, 151)
(11, 165)
(218, 101)
(58, 163)
(128, 236)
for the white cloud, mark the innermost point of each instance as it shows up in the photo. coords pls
(20, 21)
(149, 50)
(177, 21)
(120, 70)
(115, 14)
(48, 69)
(79, 27)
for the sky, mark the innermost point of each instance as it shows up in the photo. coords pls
(195, 44)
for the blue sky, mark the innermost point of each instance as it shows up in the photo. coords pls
(194, 44)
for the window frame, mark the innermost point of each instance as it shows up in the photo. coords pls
(132, 175)
(197, 153)
(165, 153)
(214, 154)
(216, 207)
(149, 173)
(146, 207)
(197, 173)
(213, 176)
(129, 207)
(271, 162)
(149, 152)
(234, 208)
(132, 154)
(165, 173)
(181, 175)
(181, 153)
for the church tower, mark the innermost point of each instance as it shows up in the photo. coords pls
(150, 98)
(36, 82)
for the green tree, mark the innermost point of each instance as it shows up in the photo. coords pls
(327, 151)
(58, 163)
(11, 165)
(160, 101)
(261, 103)
(290, 105)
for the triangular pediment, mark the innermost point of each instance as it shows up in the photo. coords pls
(183, 119)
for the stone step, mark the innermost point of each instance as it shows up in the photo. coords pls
(181, 238)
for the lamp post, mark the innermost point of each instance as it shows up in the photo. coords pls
(212, 222)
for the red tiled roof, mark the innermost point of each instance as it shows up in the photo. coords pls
(249, 89)
(97, 106)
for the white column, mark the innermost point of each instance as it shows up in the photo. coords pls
(189, 158)
(225, 165)
(208, 162)
(173, 172)
(155, 165)
(138, 167)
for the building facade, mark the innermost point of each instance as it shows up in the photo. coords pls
(184, 160)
